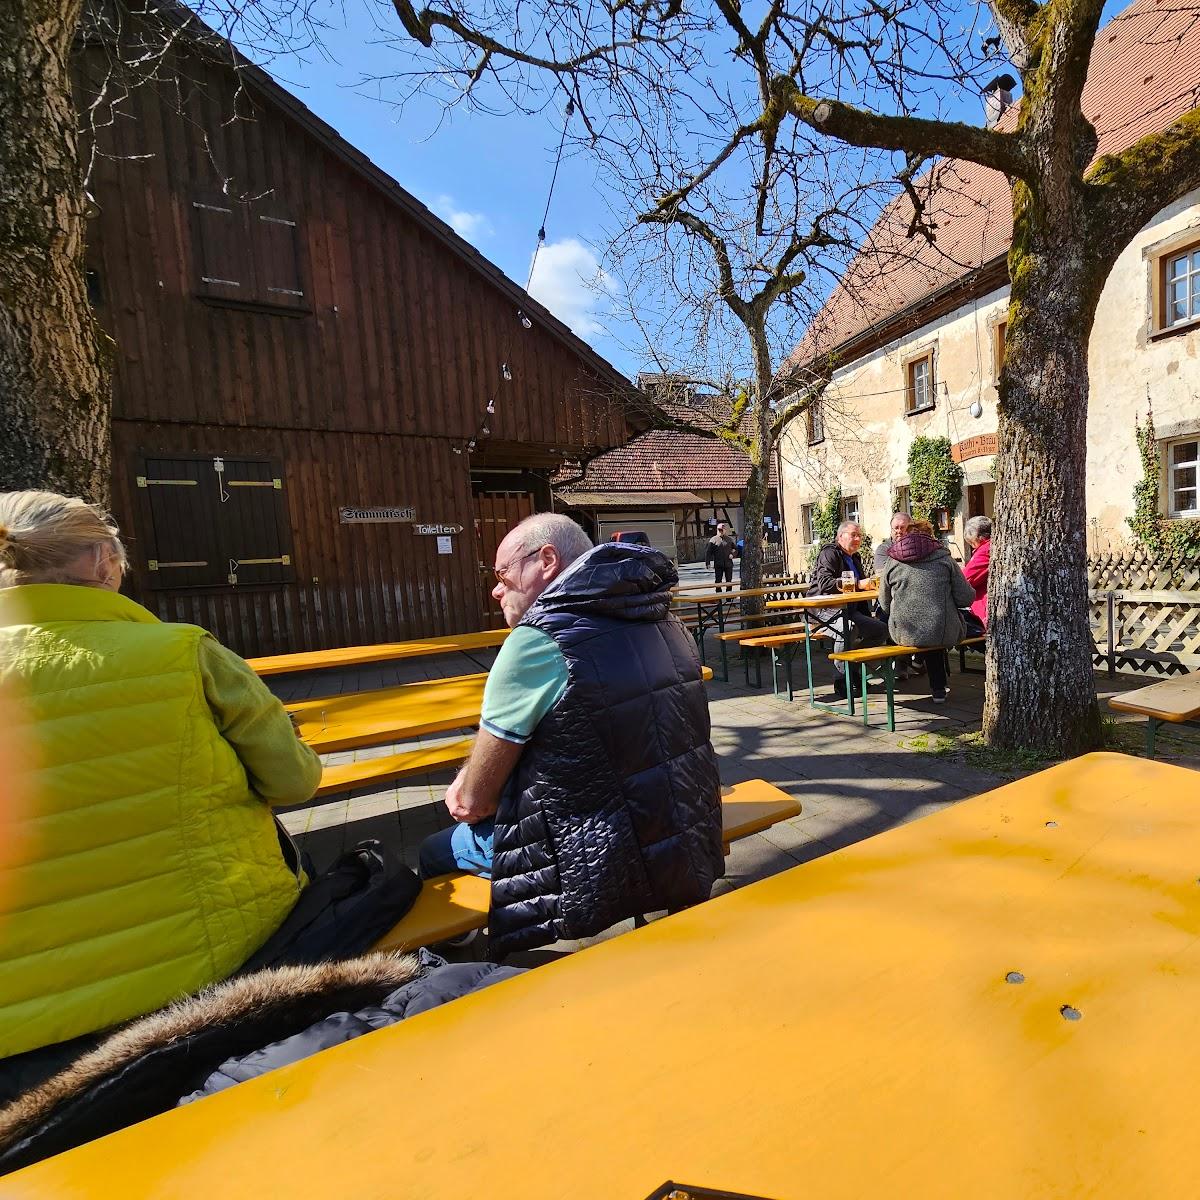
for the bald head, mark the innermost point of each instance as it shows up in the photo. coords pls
(531, 557)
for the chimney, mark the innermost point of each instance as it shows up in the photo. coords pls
(997, 98)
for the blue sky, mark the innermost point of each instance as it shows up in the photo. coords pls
(488, 176)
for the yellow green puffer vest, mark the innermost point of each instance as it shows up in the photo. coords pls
(141, 866)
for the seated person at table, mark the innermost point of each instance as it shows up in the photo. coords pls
(921, 590)
(592, 792)
(978, 535)
(143, 862)
(837, 557)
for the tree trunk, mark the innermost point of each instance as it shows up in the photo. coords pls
(752, 516)
(1040, 686)
(54, 386)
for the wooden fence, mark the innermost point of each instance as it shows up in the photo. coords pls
(1145, 612)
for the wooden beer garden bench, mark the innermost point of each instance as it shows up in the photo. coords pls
(880, 659)
(353, 656)
(451, 905)
(1173, 701)
(783, 647)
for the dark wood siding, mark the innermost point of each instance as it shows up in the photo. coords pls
(353, 583)
(277, 303)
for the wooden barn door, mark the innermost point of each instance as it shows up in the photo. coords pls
(495, 514)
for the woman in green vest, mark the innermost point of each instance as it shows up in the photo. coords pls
(140, 861)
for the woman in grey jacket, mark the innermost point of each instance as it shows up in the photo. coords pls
(922, 589)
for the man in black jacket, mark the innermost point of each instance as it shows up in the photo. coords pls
(721, 548)
(592, 792)
(833, 560)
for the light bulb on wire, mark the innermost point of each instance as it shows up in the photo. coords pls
(506, 372)
(525, 321)
(491, 407)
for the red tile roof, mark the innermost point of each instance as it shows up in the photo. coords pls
(670, 460)
(1145, 73)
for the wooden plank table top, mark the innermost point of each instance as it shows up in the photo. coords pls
(1171, 700)
(352, 656)
(734, 593)
(895, 1019)
(357, 719)
(834, 601)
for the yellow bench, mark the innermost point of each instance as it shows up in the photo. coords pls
(353, 656)
(1174, 701)
(881, 657)
(344, 777)
(741, 635)
(451, 905)
(789, 642)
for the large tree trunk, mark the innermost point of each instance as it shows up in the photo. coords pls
(1040, 686)
(752, 516)
(54, 386)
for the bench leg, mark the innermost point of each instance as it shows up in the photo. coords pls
(889, 679)
(864, 691)
(791, 693)
(1151, 730)
(724, 663)
(962, 660)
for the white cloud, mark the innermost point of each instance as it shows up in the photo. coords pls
(568, 280)
(466, 224)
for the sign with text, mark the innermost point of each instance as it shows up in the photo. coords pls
(437, 530)
(445, 545)
(376, 516)
(974, 447)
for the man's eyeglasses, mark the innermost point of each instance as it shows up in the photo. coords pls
(501, 573)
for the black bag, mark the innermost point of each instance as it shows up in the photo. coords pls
(343, 912)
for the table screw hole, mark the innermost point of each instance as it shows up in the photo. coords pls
(1051, 824)
(1014, 977)
(1070, 1014)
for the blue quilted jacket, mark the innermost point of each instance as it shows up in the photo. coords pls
(615, 806)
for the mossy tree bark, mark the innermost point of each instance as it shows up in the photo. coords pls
(54, 384)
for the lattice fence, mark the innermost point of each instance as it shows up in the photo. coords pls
(1152, 607)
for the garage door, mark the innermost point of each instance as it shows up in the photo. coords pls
(659, 529)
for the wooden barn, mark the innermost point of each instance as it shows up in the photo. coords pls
(304, 361)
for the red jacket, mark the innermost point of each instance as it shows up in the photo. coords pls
(976, 571)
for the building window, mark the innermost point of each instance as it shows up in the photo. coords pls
(814, 423)
(246, 256)
(903, 500)
(1181, 286)
(999, 347)
(212, 522)
(1183, 463)
(850, 510)
(918, 394)
(808, 527)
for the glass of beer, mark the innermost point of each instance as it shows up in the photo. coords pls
(849, 582)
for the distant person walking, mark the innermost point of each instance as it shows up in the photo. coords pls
(720, 554)
(978, 535)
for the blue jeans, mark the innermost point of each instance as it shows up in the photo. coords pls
(462, 847)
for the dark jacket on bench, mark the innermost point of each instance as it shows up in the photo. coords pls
(615, 806)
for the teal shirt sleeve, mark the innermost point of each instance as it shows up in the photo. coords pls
(526, 681)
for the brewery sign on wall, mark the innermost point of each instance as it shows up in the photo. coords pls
(974, 447)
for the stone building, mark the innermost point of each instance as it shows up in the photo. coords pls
(920, 326)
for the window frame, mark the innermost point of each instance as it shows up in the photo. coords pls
(999, 348)
(814, 423)
(1173, 512)
(1189, 250)
(910, 365)
(807, 527)
(844, 509)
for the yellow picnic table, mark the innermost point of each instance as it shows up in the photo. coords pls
(1173, 700)
(1001, 1000)
(393, 714)
(824, 614)
(713, 605)
(353, 656)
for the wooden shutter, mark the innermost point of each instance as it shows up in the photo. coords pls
(215, 522)
(276, 245)
(252, 525)
(222, 265)
(180, 495)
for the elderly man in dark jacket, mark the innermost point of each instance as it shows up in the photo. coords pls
(922, 589)
(833, 560)
(592, 792)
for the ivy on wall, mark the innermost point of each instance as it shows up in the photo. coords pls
(1166, 537)
(935, 480)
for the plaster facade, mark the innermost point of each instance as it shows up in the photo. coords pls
(1133, 360)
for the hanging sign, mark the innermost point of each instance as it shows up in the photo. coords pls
(974, 447)
(437, 530)
(376, 516)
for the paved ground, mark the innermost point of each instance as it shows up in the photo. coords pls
(852, 782)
